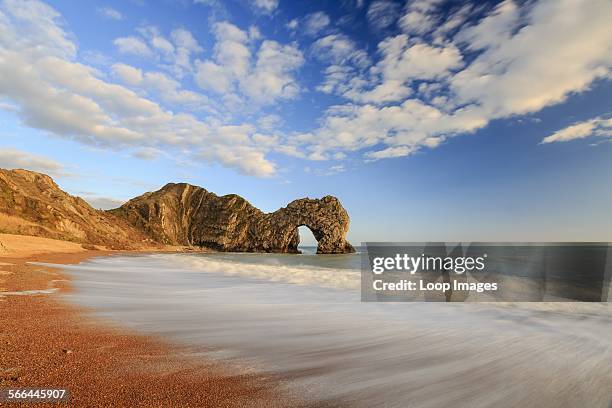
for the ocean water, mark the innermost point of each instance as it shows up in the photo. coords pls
(300, 317)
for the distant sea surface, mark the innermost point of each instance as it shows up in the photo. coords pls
(300, 317)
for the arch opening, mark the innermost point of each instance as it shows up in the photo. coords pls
(307, 242)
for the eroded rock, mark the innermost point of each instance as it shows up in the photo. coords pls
(32, 204)
(182, 214)
(178, 214)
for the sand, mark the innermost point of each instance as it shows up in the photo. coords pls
(47, 343)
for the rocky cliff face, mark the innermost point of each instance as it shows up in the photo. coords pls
(178, 214)
(32, 204)
(182, 214)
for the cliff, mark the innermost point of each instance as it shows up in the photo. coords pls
(182, 214)
(178, 214)
(32, 204)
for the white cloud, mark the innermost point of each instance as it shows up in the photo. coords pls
(563, 48)
(267, 6)
(340, 49)
(390, 90)
(315, 23)
(263, 78)
(346, 61)
(254, 33)
(17, 159)
(523, 59)
(404, 61)
(110, 13)
(420, 17)
(453, 22)
(40, 22)
(594, 127)
(231, 50)
(390, 152)
(450, 76)
(168, 89)
(146, 153)
(96, 58)
(411, 125)
(336, 80)
(382, 13)
(185, 46)
(127, 74)
(269, 122)
(176, 52)
(389, 79)
(132, 45)
(53, 92)
(272, 76)
(163, 45)
(232, 59)
(213, 77)
(339, 168)
(248, 161)
(328, 171)
(494, 28)
(265, 140)
(292, 24)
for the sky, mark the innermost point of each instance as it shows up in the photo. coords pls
(430, 120)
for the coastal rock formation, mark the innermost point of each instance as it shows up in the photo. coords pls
(178, 214)
(325, 217)
(32, 204)
(182, 214)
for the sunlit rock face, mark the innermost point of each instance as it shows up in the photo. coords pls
(182, 214)
(32, 203)
(325, 217)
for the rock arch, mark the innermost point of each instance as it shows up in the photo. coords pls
(182, 214)
(325, 217)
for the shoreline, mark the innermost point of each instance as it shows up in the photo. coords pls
(48, 343)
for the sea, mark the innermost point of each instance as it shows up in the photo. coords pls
(300, 318)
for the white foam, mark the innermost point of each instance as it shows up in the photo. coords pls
(30, 292)
(299, 275)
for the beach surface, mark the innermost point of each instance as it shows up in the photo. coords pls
(48, 343)
(226, 330)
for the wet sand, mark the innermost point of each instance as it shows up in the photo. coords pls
(47, 343)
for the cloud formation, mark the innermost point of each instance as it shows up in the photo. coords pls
(432, 75)
(423, 89)
(54, 92)
(110, 13)
(174, 52)
(262, 77)
(314, 23)
(267, 6)
(133, 46)
(17, 159)
(601, 127)
(382, 13)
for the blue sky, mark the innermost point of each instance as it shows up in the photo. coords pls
(429, 119)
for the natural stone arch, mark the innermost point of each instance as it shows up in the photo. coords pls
(182, 214)
(326, 218)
